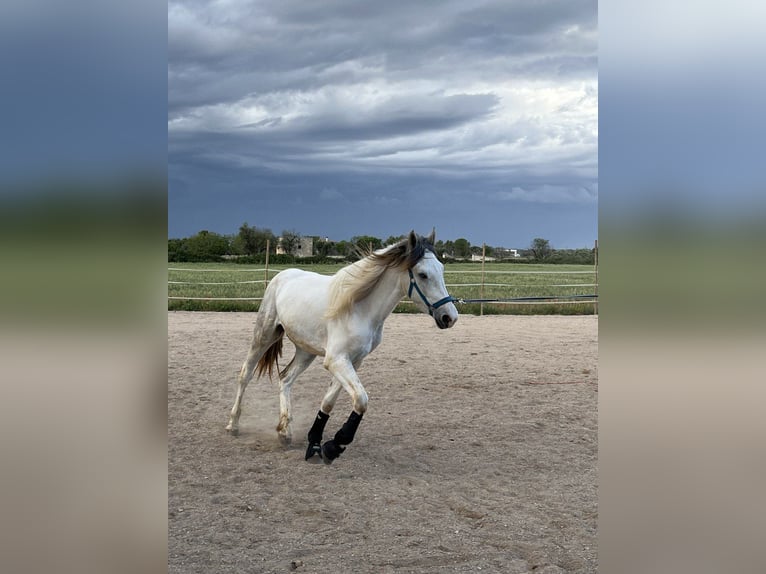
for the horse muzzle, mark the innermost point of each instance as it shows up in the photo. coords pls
(445, 320)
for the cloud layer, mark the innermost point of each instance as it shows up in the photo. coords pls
(490, 101)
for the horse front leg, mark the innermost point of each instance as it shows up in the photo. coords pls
(345, 373)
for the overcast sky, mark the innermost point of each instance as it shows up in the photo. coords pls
(342, 118)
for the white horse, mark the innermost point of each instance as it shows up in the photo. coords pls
(341, 318)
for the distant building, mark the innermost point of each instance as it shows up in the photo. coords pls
(478, 257)
(304, 247)
(504, 252)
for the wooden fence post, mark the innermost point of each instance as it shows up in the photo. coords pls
(268, 245)
(595, 262)
(481, 296)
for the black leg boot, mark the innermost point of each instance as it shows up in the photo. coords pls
(315, 435)
(335, 446)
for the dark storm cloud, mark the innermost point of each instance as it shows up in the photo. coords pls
(219, 55)
(398, 115)
(385, 104)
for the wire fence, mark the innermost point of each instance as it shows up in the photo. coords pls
(481, 290)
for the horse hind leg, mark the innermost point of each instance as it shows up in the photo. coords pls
(323, 415)
(245, 375)
(263, 338)
(297, 365)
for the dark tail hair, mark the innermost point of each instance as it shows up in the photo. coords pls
(271, 356)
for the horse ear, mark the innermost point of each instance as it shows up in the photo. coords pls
(432, 237)
(412, 240)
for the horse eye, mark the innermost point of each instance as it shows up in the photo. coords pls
(422, 275)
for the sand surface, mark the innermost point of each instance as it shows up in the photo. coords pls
(478, 453)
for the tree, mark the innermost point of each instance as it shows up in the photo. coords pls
(462, 248)
(323, 248)
(252, 240)
(365, 242)
(177, 250)
(540, 248)
(488, 250)
(290, 240)
(343, 248)
(206, 246)
(393, 239)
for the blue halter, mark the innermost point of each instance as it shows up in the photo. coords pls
(431, 308)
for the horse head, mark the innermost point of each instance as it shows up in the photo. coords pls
(426, 283)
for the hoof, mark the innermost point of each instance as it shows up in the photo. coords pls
(330, 451)
(286, 440)
(233, 431)
(312, 450)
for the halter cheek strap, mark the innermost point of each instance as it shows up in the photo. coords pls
(431, 308)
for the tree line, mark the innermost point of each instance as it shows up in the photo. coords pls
(249, 245)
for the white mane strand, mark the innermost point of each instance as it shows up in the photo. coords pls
(355, 282)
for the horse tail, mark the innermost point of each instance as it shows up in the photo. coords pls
(271, 356)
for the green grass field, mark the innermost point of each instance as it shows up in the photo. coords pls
(501, 281)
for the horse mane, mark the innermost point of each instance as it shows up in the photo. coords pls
(356, 281)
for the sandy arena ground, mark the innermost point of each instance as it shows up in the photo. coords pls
(478, 453)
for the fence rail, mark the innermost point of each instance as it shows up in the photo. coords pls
(218, 270)
(217, 282)
(494, 293)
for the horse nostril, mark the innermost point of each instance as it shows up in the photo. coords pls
(446, 320)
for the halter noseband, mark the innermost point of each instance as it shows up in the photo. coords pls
(431, 308)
